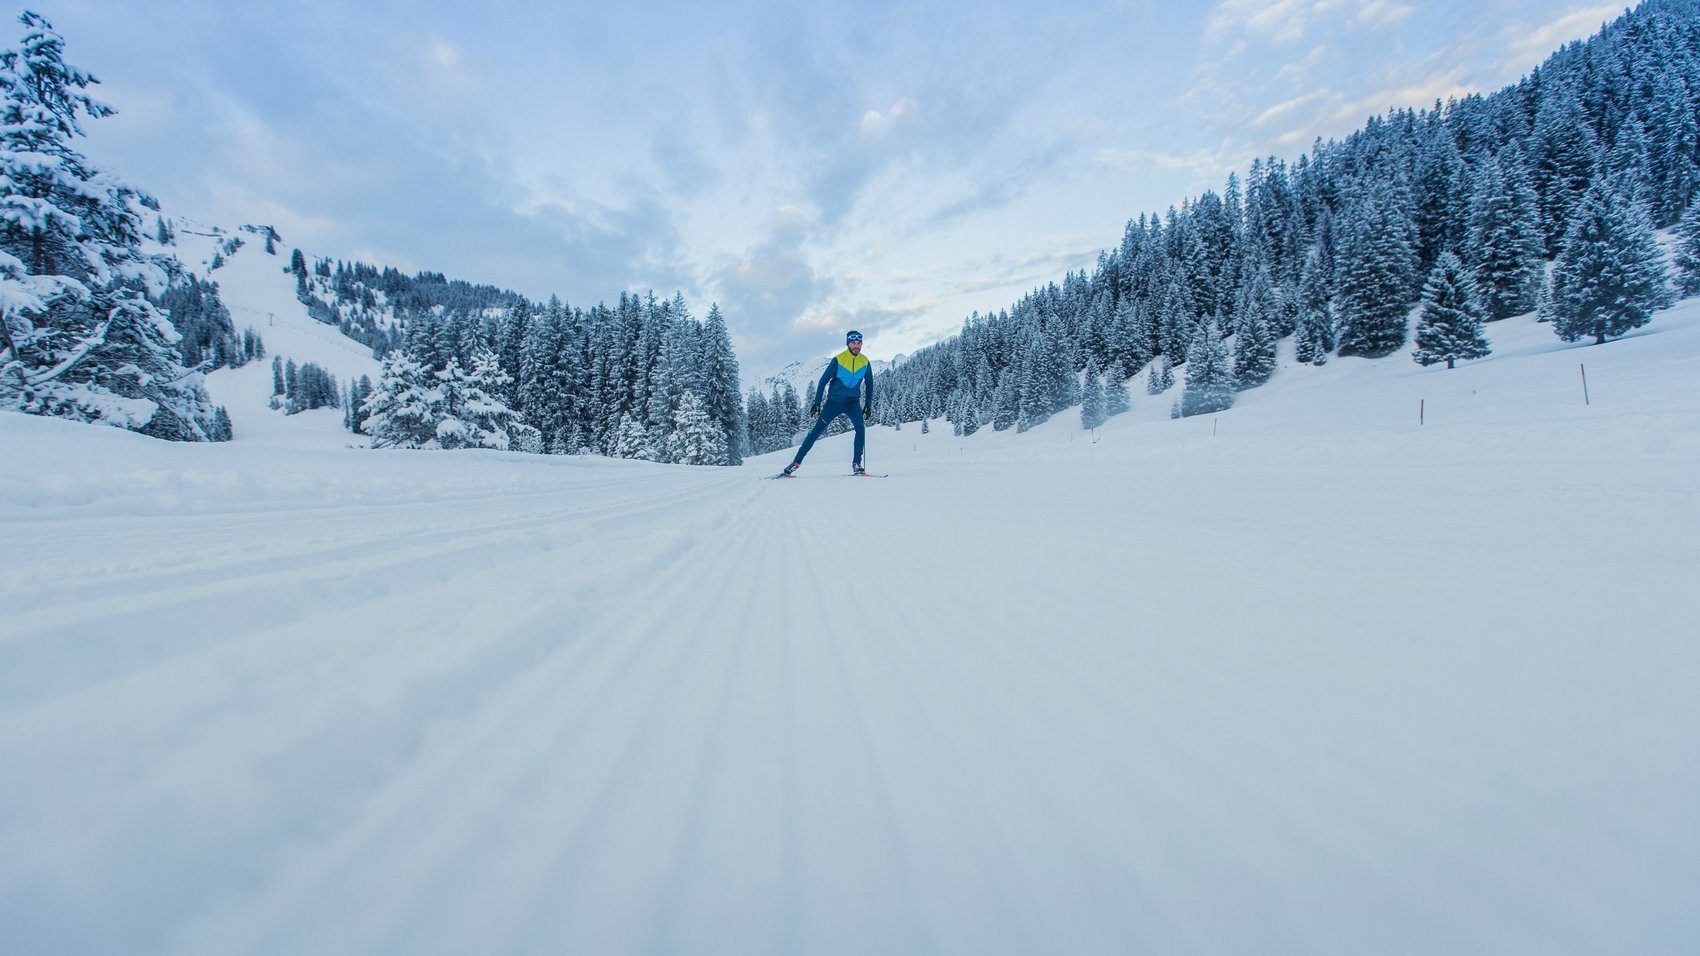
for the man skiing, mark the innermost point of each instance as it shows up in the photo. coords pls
(846, 375)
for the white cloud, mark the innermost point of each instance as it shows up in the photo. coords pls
(1203, 162)
(1382, 13)
(1417, 93)
(875, 122)
(1288, 21)
(818, 319)
(1300, 69)
(443, 53)
(1280, 111)
(1282, 21)
(1528, 45)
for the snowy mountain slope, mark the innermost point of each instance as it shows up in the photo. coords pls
(1306, 676)
(259, 293)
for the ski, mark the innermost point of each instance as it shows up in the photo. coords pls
(866, 474)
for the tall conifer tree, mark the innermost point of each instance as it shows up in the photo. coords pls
(1610, 276)
(1451, 325)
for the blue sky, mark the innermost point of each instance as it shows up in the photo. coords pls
(811, 167)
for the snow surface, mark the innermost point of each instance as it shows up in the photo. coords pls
(1304, 677)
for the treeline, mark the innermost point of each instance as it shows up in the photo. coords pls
(642, 379)
(297, 389)
(374, 305)
(775, 419)
(1458, 210)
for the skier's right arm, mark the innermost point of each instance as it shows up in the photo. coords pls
(820, 387)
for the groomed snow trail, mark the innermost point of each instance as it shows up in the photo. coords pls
(1370, 690)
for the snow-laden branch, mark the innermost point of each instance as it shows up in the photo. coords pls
(77, 355)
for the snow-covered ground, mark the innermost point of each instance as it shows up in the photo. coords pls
(1305, 677)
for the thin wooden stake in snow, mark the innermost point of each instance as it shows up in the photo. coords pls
(1420, 403)
(1583, 366)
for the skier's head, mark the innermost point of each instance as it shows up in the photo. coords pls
(853, 342)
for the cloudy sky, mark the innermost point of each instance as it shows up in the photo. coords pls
(809, 166)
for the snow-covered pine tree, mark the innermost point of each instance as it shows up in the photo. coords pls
(666, 388)
(1092, 412)
(1377, 268)
(221, 427)
(720, 382)
(1254, 352)
(1159, 377)
(1257, 299)
(700, 440)
(1145, 341)
(1440, 206)
(359, 390)
(967, 417)
(473, 414)
(791, 415)
(78, 336)
(404, 407)
(510, 347)
(1006, 401)
(1034, 373)
(1116, 399)
(760, 424)
(1504, 244)
(1566, 151)
(1687, 256)
(1209, 375)
(1610, 276)
(1626, 163)
(1175, 323)
(1451, 325)
(1673, 153)
(1061, 385)
(632, 440)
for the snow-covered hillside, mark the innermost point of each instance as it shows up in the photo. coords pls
(260, 293)
(1304, 677)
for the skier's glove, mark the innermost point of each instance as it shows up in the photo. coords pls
(867, 410)
(814, 411)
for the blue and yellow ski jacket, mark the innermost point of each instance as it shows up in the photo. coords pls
(846, 374)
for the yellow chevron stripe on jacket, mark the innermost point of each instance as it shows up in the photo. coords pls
(851, 369)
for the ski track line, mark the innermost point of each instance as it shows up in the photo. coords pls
(844, 775)
(154, 623)
(1045, 857)
(585, 682)
(447, 684)
(204, 546)
(726, 730)
(613, 918)
(657, 838)
(973, 771)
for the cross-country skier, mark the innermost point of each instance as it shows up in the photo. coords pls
(847, 375)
